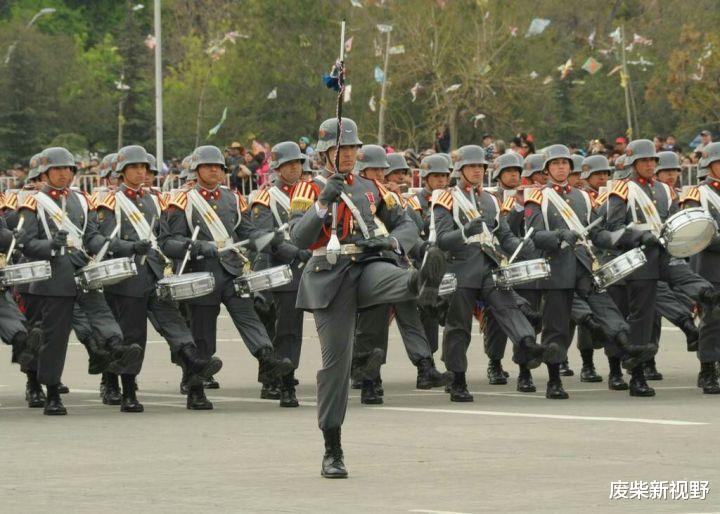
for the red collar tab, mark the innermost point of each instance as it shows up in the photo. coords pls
(562, 189)
(649, 182)
(132, 193)
(207, 194)
(57, 193)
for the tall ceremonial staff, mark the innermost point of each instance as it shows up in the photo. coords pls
(336, 80)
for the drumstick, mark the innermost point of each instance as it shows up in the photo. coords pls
(152, 226)
(101, 254)
(260, 243)
(584, 233)
(522, 243)
(14, 239)
(187, 252)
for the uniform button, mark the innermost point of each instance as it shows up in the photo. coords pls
(350, 195)
(317, 268)
(215, 207)
(352, 258)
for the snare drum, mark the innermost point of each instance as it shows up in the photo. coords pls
(619, 268)
(262, 280)
(448, 284)
(688, 232)
(105, 273)
(521, 272)
(25, 273)
(186, 286)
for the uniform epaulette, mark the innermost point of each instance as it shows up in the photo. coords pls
(601, 198)
(30, 204)
(692, 194)
(388, 198)
(91, 203)
(414, 204)
(303, 196)
(162, 201)
(620, 189)
(445, 200)
(242, 203)
(2, 201)
(263, 198)
(536, 197)
(179, 200)
(108, 202)
(11, 201)
(508, 204)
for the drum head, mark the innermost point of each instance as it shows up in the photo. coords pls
(691, 238)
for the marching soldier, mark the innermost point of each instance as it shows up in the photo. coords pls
(645, 203)
(270, 211)
(465, 217)
(353, 267)
(559, 213)
(435, 176)
(533, 174)
(58, 221)
(133, 299)
(219, 215)
(372, 328)
(707, 263)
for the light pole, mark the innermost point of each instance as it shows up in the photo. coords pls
(122, 87)
(158, 89)
(381, 114)
(41, 12)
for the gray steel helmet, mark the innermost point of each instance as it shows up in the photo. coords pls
(639, 149)
(107, 164)
(554, 152)
(533, 164)
(152, 161)
(469, 154)
(711, 154)
(434, 163)
(34, 165)
(621, 170)
(371, 156)
(285, 152)
(56, 157)
(307, 167)
(186, 174)
(327, 134)
(207, 154)
(507, 161)
(594, 164)
(577, 161)
(667, 161)
(133, 154)
(397, 162)
(703, 171)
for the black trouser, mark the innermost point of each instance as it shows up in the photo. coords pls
(556, 320)
(709, 342)
(56, 323)
(287, 339)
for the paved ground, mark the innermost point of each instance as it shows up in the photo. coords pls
(506, 452)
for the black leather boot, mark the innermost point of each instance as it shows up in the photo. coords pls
(459, 389)
(123, 357)
(270, 391)
(34, 395)
(111, 390)
(555, 390)
(495, 373)
(638, 385)
(196, 399)
(369, 395)
(287, 392)
(615, 378)
(333, 465)
(211, 383)
(198, 368)
(184, 387)
(53, 403)
(25, 346)
(379, 390)
(426, 281)
(129, 402)
(588, 373)
(428, 376)
(565, 370)
(525, 381)
(98, 355)
(651, 372)
(708, 378)
(271, 366)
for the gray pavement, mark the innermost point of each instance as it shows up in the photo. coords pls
(506, 452)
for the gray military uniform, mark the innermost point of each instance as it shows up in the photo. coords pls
(335, 292)
(473, 269)
(175, 233)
